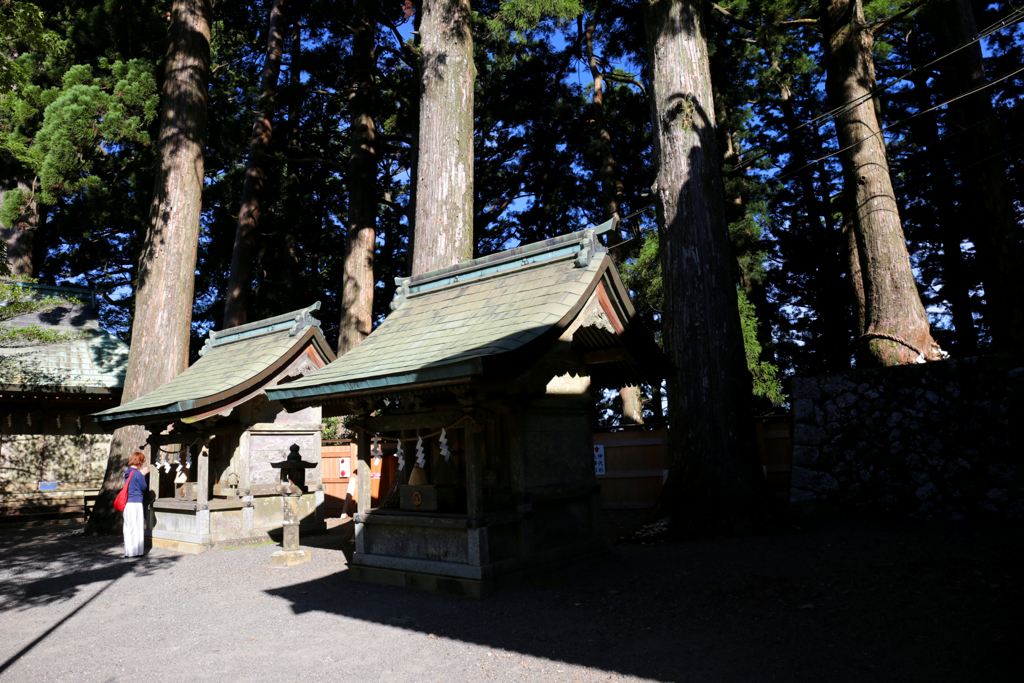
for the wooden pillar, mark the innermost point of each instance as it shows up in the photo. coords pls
(479, 551)
(203, 492)
(245, 480)
(154, 471)
(363, 444)
(154, 479)
(363, 493)
(474, 476)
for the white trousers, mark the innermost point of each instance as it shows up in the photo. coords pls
(134, 536)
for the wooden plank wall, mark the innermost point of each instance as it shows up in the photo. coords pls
(336, 485)
(636, 463)
(23, 509)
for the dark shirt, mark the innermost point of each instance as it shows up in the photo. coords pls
(137, 486)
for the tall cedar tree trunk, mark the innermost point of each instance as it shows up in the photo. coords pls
(986, 197)
(236, 303)
(357, 288)
(443, 234)
(834, 319)
(292, 263)
(166, 269)
(611, 190)
(956, 288)
(22, 234)
(715, 482)
(893, 309)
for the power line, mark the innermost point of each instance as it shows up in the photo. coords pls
(881, 130)
(842, 109)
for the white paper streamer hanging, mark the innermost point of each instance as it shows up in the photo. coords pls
(8, 420)
(398, 451)
(444, 445)
(28, 419)
(375, 450)
(421, 459)
(58, 422)
(78, 421)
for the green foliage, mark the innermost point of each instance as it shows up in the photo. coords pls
(764, 375)
(17, 300)
(526, 15)
(22, 30)
(83, 119)
(332, 430)
(642, 275)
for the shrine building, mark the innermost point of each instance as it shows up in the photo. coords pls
(483, 380)
(215, 437)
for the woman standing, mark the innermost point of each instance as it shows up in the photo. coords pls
(135, 480)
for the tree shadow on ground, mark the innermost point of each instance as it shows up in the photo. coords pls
(42, 568)
(851, 601)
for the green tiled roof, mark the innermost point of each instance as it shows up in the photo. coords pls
(447, 321)
(232, 361)
(94, 361)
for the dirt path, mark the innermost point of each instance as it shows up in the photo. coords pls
(846, 601)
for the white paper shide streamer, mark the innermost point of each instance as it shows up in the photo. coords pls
(444, 446)
(421, 459)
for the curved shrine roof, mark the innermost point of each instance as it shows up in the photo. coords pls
(232, 362)
(447, 323)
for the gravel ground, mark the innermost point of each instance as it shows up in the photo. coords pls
(840, 601)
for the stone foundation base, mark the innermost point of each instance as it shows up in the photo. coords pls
(290, 558)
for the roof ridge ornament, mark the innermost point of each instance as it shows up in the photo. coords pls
(582, 245)
(304, 319)
(295, 322)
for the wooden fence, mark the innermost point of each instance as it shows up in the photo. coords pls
(337, 467)
(635, 465)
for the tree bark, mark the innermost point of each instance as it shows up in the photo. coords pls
(856, 277)
(443, 234)
(236, 302)
(165, 282)
(357, 287)
(21, 235)
(986, 199)
(897, 325)
(715, 483)
(611, 189)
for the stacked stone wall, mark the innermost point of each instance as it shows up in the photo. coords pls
(935, 441)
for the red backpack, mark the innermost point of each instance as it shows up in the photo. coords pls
(122, 497)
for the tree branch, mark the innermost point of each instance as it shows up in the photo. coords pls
(622, 79)
(896, 17)
(302, 160)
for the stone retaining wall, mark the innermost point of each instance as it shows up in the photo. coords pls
(935, 441)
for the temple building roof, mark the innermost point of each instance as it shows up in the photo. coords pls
(489, 316)
(233, 364)
(93, 362)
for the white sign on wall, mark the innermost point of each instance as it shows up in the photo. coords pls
(344, 467)
(599, 460)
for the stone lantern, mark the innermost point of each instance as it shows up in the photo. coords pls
(292, 486)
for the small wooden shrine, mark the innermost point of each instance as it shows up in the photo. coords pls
(216, 441)
(482, 377)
